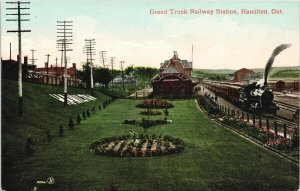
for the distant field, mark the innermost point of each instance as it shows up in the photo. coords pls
(214, 158)
(286, 74)
(209, 75)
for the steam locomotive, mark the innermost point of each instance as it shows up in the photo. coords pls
(256, 97)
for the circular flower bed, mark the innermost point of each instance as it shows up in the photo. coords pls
(150, 112)
(141, 146)
(155, 103)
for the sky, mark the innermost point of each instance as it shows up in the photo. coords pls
(128, 31)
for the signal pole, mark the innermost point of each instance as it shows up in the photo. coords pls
(19, 31)
(122, 73)
(48, 55)
(64, 35)
(90, 52)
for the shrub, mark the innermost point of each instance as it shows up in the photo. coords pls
(71, 124)
(49, 137)
(93, 109)
(99, 107)
(88, 113)
(104, 105)
(78, 119)
(29, 150)
(61, 131)
(83, 115)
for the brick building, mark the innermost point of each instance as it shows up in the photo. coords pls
(174, 78)
(10, 69)
(54, 75)
(239, 75)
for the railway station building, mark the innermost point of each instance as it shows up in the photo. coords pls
(174, 78)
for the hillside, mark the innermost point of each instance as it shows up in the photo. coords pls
(290, 72)
(41, 113)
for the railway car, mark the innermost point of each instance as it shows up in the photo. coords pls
(253, 98)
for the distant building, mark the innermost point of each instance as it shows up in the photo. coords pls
(127, 80)
(174, 78)
(239, 75)
(10, 69)
(55, 75)
(44, 75)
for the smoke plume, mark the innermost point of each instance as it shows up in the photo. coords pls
(269, 64)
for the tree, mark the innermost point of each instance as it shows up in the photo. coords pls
(101, 75)
(129, 70)
(88, 113)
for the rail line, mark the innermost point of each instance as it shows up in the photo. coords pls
(285, 121)
(286, 106)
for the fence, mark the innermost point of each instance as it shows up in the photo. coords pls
(279, 127)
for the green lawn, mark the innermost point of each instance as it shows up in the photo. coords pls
(214, 158)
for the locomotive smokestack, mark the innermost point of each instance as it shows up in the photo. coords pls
(269, 64)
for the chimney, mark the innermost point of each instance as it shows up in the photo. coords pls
(51, 65)
(25, 60)
(74, 65)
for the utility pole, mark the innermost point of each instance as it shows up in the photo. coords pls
(19, 31)
(103, 58)
(9, 51)
(112, 61)
(48, 55)
(64, 35)
(32, 57)
(122, 73)
(90, 51)
(56, 59)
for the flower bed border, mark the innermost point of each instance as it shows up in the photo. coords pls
(155, 104)
(171, 146)
(146, 123)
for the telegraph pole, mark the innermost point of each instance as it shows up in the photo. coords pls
(103, 58)
(32, 57)
(9, 51)
(56, 59)
(19, 31)
(90, 52)
(112, 61)
(48, 55)
(64, 35)
(122, 73)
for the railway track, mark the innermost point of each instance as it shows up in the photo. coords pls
(286, 106)
(285, 121)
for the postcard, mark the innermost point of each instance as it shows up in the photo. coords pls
(149, 95)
